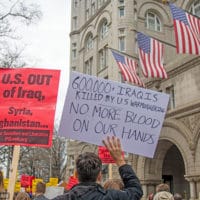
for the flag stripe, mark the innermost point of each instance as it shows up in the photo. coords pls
(151, 57)
(187, 31)
(127, 67)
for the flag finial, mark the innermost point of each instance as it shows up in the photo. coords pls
(165, 1)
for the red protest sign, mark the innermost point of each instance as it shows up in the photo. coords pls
(27, 103)
(72, 181)
(26, 180)
(104, 155)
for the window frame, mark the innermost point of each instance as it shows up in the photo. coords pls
(89, 42)
(104, 29)
(193, 8)
(121, 8)
(157, 25)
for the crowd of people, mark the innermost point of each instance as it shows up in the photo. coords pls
(88, 172)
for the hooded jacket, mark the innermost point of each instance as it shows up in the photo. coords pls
(93, 191)
(163, 195)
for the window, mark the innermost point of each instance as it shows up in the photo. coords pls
(103, 56)
(87, 14)
(73, 45)
(75, 3)
(74, 23)
(88, 66)
(104, 30)
(93, 8)
(71, 160)
(100, 2)
(121, 43)
(121, 11)
(89, 43)
(74, 68)
(195, 8)
(121, 39)
(104, 171)
(71, 172)
(170, 91)
(74, 51)
(152, 22)
(121, 1)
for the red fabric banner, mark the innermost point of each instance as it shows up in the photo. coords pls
(28, 99)
(72, 181)
(105, 156)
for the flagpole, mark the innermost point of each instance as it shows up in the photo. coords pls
(123, 53)
(169, 44)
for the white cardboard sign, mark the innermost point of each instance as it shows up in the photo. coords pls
(95, 108)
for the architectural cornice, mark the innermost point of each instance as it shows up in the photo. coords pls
(187, 110)
(175, 68)
(183, 66)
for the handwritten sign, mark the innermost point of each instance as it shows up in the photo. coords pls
(95, 108)
(27, 103)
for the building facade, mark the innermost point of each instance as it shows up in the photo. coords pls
(96, 26)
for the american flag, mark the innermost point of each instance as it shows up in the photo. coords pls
(151, 56)
(187, 31)
(128, 68)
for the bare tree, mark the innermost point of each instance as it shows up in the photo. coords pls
(13, 14)
(44, 162)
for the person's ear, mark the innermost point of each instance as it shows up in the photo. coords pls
(99, 177)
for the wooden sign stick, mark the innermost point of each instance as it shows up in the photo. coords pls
(13, 172)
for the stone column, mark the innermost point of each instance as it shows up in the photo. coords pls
(144, 188)
(192, 190)
(192, 182)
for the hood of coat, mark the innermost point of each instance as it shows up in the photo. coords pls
(85, 189)
(163, 196)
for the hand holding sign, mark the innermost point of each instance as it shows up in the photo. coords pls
(114, 146)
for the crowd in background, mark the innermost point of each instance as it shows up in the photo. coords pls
(88, 172)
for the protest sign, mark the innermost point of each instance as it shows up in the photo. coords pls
(53, 191)
(72, 181)
(95, 108)
(28, 99)
(105, 156)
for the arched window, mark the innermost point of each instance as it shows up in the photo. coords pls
(152, 22)
(195, 8)
(89, 42)
(104, 30)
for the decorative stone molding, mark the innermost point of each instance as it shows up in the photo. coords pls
(192, 178)
(150, 182)
(191, 121)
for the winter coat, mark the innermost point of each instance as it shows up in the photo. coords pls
(93, 191)
(40, 197)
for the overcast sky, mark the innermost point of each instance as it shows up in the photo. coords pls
(48, 42)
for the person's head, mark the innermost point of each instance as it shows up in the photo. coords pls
(177, 196)
(88, 167)
(162, 187)
(150, 196)
(163, 195)
(22, 196)
(40, 188)
(115, 184)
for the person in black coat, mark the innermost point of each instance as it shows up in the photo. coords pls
(88, 172)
